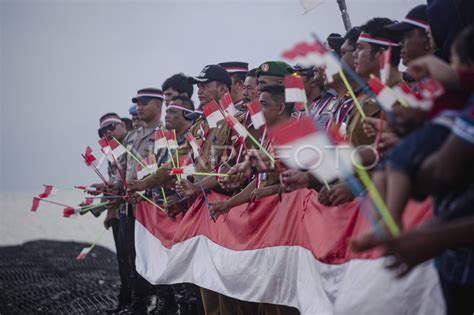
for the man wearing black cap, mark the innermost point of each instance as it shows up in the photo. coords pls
(237, 71)
(213, 83)
(413, 30)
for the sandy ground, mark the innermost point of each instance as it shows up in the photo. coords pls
(18, 224)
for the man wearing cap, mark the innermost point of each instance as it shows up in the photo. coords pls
(312, 87)
(213, 83)
(111, 126)
(136, 122)
(237, 71)
(413, 30)
(141, 143)
(272, 72)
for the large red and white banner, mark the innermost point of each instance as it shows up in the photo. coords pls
(294, 252)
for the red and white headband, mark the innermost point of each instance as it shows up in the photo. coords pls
(178, 106)
(424, 25)
(377, 40)
(109, 121)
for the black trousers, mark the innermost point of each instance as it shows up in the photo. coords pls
(118, 231)
(459, 298)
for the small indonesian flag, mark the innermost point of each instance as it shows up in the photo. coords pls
(70, 211)
(314, 54)
(83, 254)
(90, 158)
(301, 146)
(430, 89)
(385, 65)
(294, 89)
(49, 190)
(113, 149)
(227, 104)
(194, 146)
(36, 204)
(385, 95)
(150, 167)
(213, 114)
(171, 137)
(88, 201)
(185, 170)
(412, 98)
(160, 141)
(256, 114)
(238, 128)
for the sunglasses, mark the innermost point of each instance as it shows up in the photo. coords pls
(108, 128)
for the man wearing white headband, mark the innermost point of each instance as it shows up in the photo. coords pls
(373, 41)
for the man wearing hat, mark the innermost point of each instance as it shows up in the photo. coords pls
(111, 126)
(237, 71)
(272, 72)
(413, 30)
(141, 143)
(213, 83)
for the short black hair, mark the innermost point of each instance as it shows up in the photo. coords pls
(187, 102)
(376, 27)
(179, 83)
(238, 76)
(352, 36)
(252, 73)
(277, 93)
(128, 123)
(463, 45)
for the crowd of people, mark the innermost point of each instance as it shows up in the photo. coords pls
(414, 152)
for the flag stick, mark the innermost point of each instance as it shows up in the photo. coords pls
(154, 204)
(130, 152)
(164, 195)
(53, 202)
(352, 94)
(97, 240)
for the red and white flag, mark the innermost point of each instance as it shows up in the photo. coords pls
(160, 141)
(71, 211)
(49, 190)
(194, 146)
(213, 114)
(112, 149)
(412, 98)
(385, 95)
(171, 137)
(314, 54)
(185, 170)
(84, 252)
(301, 146)
(150, 167)
(256, 113)
(36, 204)
(385, 65)
(294, 89)
(228, 105)
(237, 127)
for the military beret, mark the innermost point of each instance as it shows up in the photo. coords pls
(274, 69)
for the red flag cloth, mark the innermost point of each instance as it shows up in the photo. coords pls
(294, 252)
(385, 95)
(89, 156)
(212, 113)
(49, 190)
(35, 205)
(256, 113)
(227, 104)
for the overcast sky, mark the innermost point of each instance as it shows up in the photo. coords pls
(64, 63)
